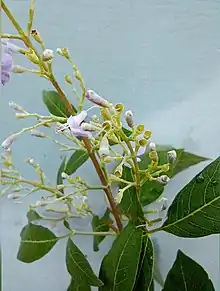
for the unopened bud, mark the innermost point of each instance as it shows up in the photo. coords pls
(41, 203)
(95, 118)
(147, 134)
(37, 133)
(60, 187)
(164, 179)
(107, 125)
(88, 127)
(16, 107)
(129, 118)
(8, 141)
(119, 197)
(105, 114)
(96, 99)
(19, 69)
(32, 56)
(118, 171)
(165, 168)
(64, 175)
(164, 202)
(104, 146)
(31, 161)
(171, 156)
(108, 159)
(68, 79)
(119, 107)
(21, 115)
(36, 35)
(153, 156)
(63, 52)
(152, 146)
(47, 55)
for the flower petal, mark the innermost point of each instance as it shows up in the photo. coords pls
(5, 77)
(9, 47)
(141, 151)
(77, 131)
(6, 62)
(75, 121)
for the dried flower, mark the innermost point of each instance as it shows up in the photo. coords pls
(36, 35)
(96, 99)
(171, 156)
(8, 141)
(129, 118)
(164, 179)
(47, 55)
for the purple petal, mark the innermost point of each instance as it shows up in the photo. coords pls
(5, 77)
(77, 131)
(6, 62)
(141, 151)
(75, 121)
(9, 47)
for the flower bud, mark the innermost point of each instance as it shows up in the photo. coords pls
(88, 127)
(108, 159)
(96, 99)
(104, 146)
(21, 115)
(164, 202)
(147, 134)
(68, 79)
(37, 133)
(129, 118)
(118, 171)
(18, 69)
(95, 119)
(152, 146)
(119, 197)
(16, 107)
(64, 175)
(14, 196)
(36, 35)
(47, 55)
(171, 156)
(163, 180)
(8, 141)
(31, 161)
(107, 125)
(60, 187)
(63, 52)
(153, 156)
(165, 168)
(41, 203)
(32, 56)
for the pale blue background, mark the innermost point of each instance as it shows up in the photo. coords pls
(162, 59)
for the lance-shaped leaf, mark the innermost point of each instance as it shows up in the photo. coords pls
(146, 265)
(36, 242)
(187, 275)
(130, 204)
(55, 104)
(78, 266)
(150, 191)
(100, 225)
(195, 211)
(120, 266)
(77, 159)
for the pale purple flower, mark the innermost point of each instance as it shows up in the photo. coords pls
(7, 49)
(74, 124)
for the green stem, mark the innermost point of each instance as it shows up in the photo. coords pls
(11, 36)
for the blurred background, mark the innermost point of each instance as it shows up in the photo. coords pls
(162, 60)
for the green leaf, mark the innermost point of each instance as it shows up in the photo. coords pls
(55, 104)
(78, 266)
(187, 275)
(120, 266)
(33, 215)
(78, 286)
(59, 173)
(195, 210)
(145, 272)
(77, 159)
(151, 288)
(130, 204)
(36, 242)
(151, 191)
(100, 224)
(127, 131)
